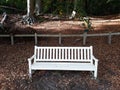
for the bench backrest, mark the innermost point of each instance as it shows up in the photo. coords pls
(83, 54)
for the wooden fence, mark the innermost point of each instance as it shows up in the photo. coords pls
(60, 36)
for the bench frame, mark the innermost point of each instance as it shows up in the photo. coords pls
(85, 64)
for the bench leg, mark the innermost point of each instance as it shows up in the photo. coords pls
(95, 74)
(30, 73)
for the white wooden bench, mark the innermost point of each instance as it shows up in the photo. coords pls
(63, 58)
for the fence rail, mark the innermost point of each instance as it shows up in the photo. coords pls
(60, 36)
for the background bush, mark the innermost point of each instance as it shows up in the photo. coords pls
(65, 7)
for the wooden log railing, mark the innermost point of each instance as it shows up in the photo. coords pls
(60, 36)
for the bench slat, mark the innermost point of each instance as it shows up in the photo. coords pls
(44, 56)
(57, 54)
(69, 53)
(81, 53)
(53, 53)
(38, 53)
(47, 54)
(84, 51)
(66, 53)
(88, 54)
(62, 53)
(78, 54)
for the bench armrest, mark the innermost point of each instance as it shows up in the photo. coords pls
(30, 60)
(95, 61)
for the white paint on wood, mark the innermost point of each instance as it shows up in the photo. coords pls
(63, 58)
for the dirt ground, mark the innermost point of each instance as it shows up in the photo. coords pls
(14, 64)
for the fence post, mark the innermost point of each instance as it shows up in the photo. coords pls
(110, 38)
(84, 38)
(12, 39)
(35, 38)
(60, 39)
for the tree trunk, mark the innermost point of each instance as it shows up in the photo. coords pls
(29, 19)
(38, 7)
(30, 7)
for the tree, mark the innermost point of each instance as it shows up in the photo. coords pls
(33, 7)
(38, 7)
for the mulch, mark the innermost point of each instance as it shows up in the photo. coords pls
(14, 64)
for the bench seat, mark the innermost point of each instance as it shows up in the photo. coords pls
(63, 66)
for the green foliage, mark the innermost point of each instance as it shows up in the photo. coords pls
(103, 7)
(18, 4)
(65, 7)
(60, 7)
(46, 5)
(87, 24)
(80, 8)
